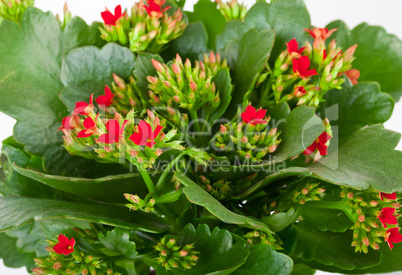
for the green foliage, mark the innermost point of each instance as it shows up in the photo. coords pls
(11, 256)
(118, 240)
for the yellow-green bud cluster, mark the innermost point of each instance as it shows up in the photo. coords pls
(219, 189)
(258, 237)
(136, 203)
(232, 10)
(14, 9)
(310, 192)
(173, 255)
(365, 207)
(126, 96)
(248, 142)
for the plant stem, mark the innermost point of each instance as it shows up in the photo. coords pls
(148, 181)
(194, 116)
(165, 173)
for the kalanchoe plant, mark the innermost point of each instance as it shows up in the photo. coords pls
(219, 141)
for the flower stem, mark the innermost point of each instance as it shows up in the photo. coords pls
(147, 179)
(161, 181)
(194, 117)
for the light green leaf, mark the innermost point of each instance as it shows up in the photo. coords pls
(280, 221)
(118, 240)
(10, 254)
(223, 84)
(30, 239)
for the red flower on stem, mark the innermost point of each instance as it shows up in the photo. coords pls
(322, 33)
(320, 144)
(154, 8)
(299, 91)
(391, 196)
(110, 18)
(145, 135)
(90, 128)
(386, 216)
(252, 116)
(293, 49)
(83, 108)
(353, 75)
(301, 65)
(393, 236)
(68, 123)
(65, 246)
(105, 100)
(115, 132)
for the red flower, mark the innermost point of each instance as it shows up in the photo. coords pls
(68, 123)
(115, 132)
(393, 236)
(252, 116)
(299, 91)
(391, 196)
(154, 8)
(386, 216)
(105, 100)
(111, 19)
(90, 128)
(145, 136)
(319, 144)
(293, 49)
(301, 65)
(353, 75)
(321, 33)
(83, 108)
(65, 246)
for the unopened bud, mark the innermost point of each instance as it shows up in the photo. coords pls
(157, 65)
(193, 86)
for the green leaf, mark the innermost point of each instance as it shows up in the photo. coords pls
(30, 239)
(378, 55)
(118, 240)
(326, 219)
(88, 69)
(331, 249)
(223, 84)
(354, 107)
(26, 210)
(108, 189)
(247, 61)
(265, 260)
(207, 12)
(233, 30)
(199, 196)
(280, 221)
(301, 269)
(10, 254)
(30, 80)
(220, 253)
(190, 44)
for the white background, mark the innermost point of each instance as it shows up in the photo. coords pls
(386, 13)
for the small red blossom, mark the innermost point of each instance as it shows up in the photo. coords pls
(322, 33)
(320, 144)
(393, 236)
(353, 75)
(83, 108)
(145, 135)
(154, 8)
(299, 91)
(105, 100)
(301, 65)
(110, 18)
(252, 116)
(391, 196)
(68, 123)
(90, 128)
(293, 49)
(386, 216)
(115, 132)
(65, 246)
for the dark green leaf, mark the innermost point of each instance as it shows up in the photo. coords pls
(378, 55)
(280, 221)
(223, 84)
(10, 254)
(199, 196)
(30, 80)
(220, 253)
(87, 70)
(27, 210)
(354, 107)
(265, 260)
(30, 239)
(301, 269)
(118, 240)
(326, 219)
(109, 189)
(234, 30)
(207, 12)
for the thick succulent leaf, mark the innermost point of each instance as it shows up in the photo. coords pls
(87, 70)
(118, 240)
(326, 219)
(378, 55)
(280, 221)
(301, 269)
(26, 210)
(30, 239)
(264, 259)
(199, 196)
(30, 80)
(190, 44)
(223, 84)
(247, 60)
(207, 12)
(354, 107)
(331, 249)
(11, 256)
(220, 253)
(108, 189)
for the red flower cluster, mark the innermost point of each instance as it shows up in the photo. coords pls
(105, 100)
(293, 49)
(387, 216)
(300, 63)
(154, 8)
(145, 135)
(319, 144)
(65, 246)
(111, 19)
(115, 132)
(252, 116)
(320, 33)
